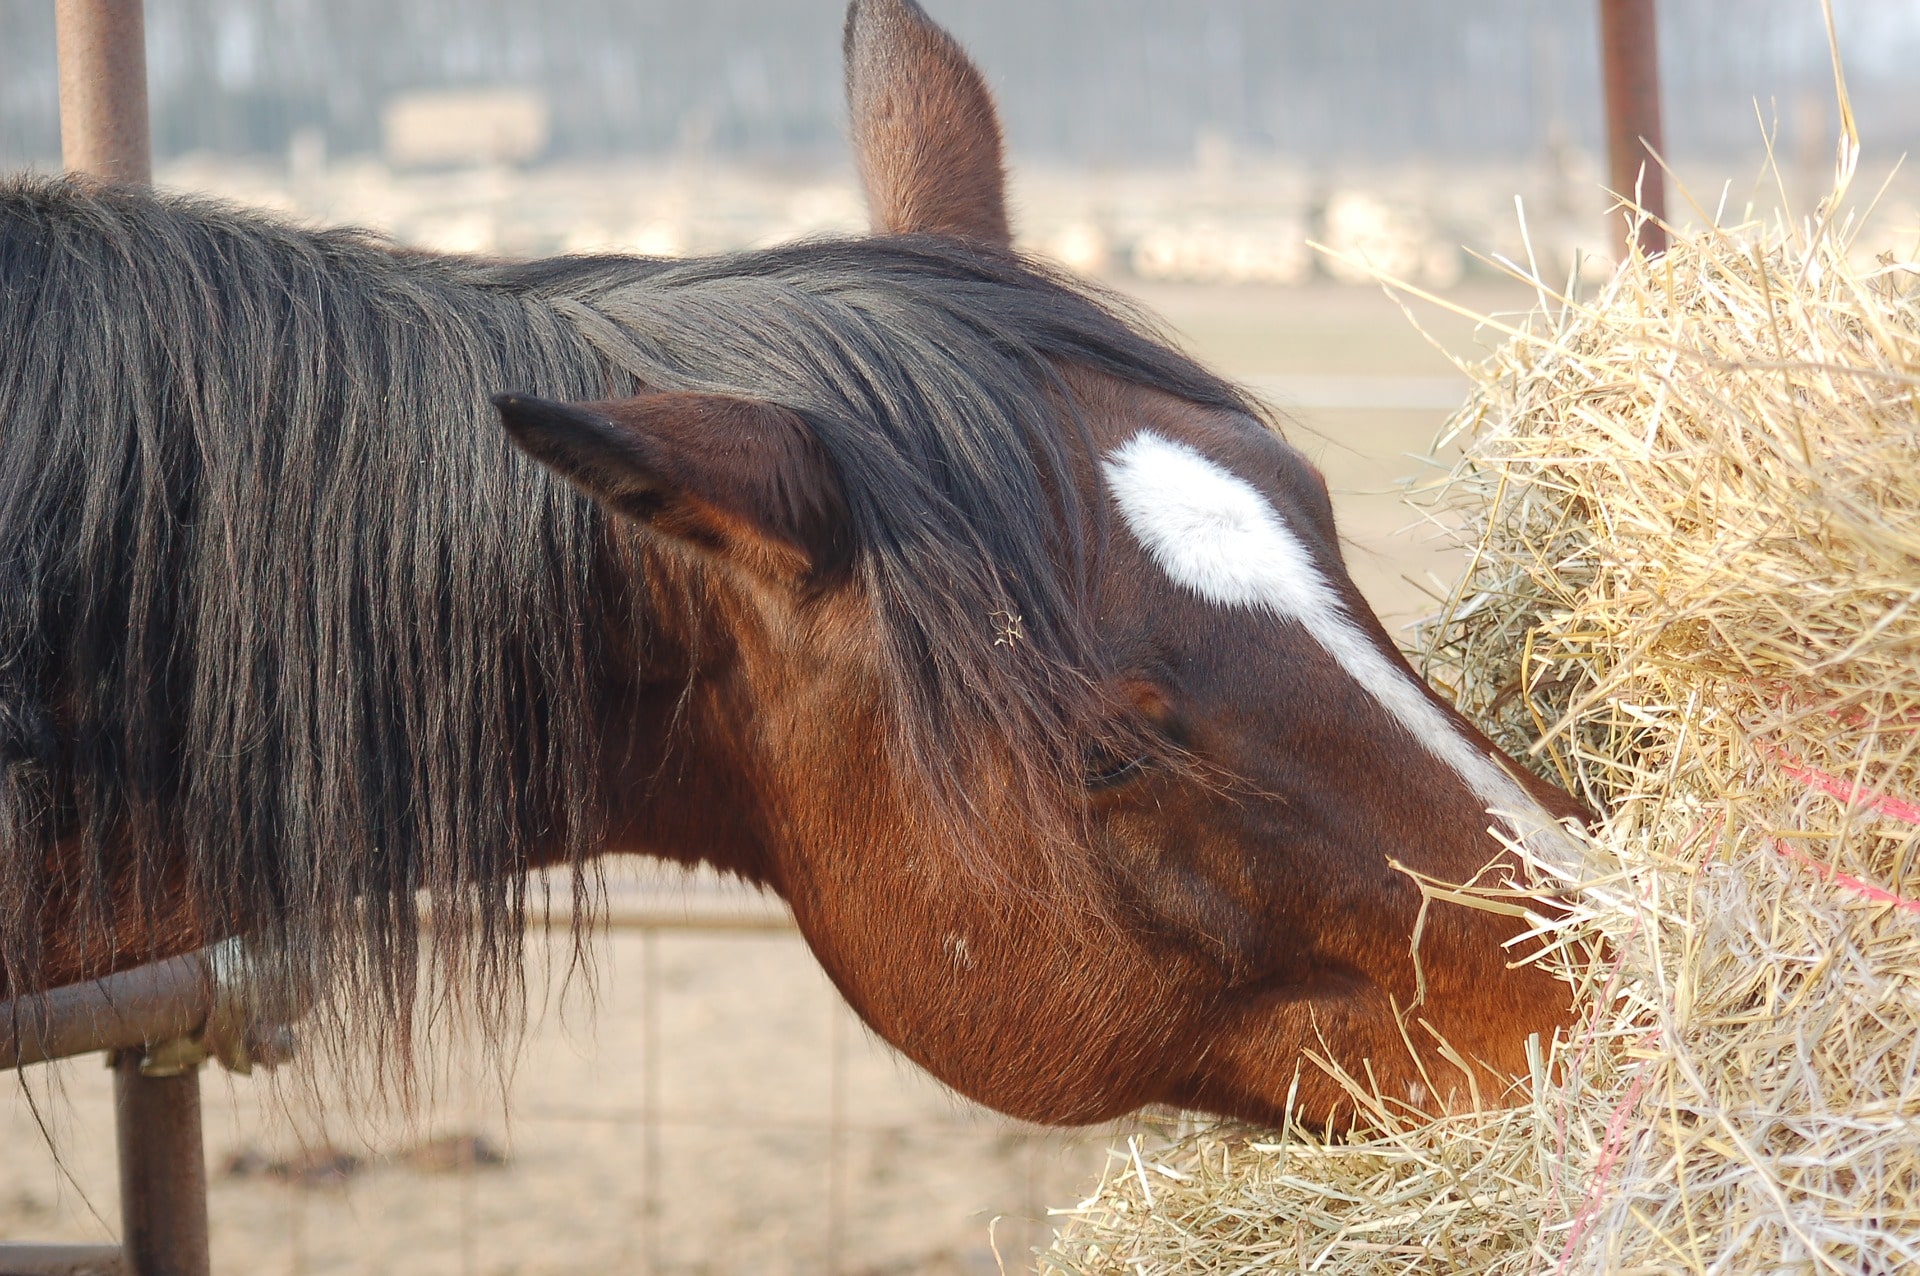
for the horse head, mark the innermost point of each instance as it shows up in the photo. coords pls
(1090, 777)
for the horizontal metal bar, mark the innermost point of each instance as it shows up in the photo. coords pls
(989, 1124)
(61, 1260)
(210, 1004)
(175, 998)
(161, 1002)
(631, 917)
(665, 909)
(1390, 394)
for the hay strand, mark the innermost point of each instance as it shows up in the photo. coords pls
(1693, 504)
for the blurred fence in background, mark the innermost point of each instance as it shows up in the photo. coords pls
(1099, 82)
(718, 1109)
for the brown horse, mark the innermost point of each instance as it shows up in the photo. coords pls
(1009, 647)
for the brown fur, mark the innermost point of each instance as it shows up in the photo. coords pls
(1259, 919)
(1164, 879)
(925, 131)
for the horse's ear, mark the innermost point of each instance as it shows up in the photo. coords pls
(924, 129)
(732, 476)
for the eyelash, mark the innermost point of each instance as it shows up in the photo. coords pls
(1114, 773)
(1111, 761)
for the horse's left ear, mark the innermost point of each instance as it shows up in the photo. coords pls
(726, 475)
(925, 132)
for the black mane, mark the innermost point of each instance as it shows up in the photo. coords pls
(279, 601)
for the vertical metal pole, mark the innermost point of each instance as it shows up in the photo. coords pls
(297, 1231)
(467, 1165)
(103, 89)
(1630, 65)
(163, 1170)
(836, 1135)
(1033, 1207)
(650, 1097)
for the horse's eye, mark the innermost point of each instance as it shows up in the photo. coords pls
(1110, 771)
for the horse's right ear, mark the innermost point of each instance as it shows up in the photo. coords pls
(732, 476)
(924, 129)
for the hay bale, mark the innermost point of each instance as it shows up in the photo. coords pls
(1694, 598)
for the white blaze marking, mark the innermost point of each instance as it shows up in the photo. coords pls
(1215, 534)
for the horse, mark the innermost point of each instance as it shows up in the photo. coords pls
(901, 575)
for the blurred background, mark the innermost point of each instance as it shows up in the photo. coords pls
(1172, 139)
(707, 1105)
(1087, 82)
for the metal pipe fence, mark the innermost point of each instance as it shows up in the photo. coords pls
(821, 1136)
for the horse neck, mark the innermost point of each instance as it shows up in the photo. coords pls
(679, 769)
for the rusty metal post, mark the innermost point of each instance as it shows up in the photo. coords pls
(103, 89)
(1630, 66)
(653, 1212)
(163, 1169)
(163, 1165)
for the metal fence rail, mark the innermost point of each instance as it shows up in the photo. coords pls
(158, 1023)
(163, 1019)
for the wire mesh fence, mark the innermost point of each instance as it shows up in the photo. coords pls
(708, 1106)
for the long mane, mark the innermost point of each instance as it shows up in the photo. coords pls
(280, 604)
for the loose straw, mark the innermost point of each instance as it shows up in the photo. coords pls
(1693, 506)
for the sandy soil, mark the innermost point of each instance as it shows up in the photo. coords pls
(744, 1170)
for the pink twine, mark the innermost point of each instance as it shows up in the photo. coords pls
(1586, 1044)
(1878, 894)
(1610, 1149)
(1592, 1032)
(1895, 808)
(1833, 786)
(1892, 807)
(1792, 697)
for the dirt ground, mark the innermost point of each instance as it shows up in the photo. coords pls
(742, 1171)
